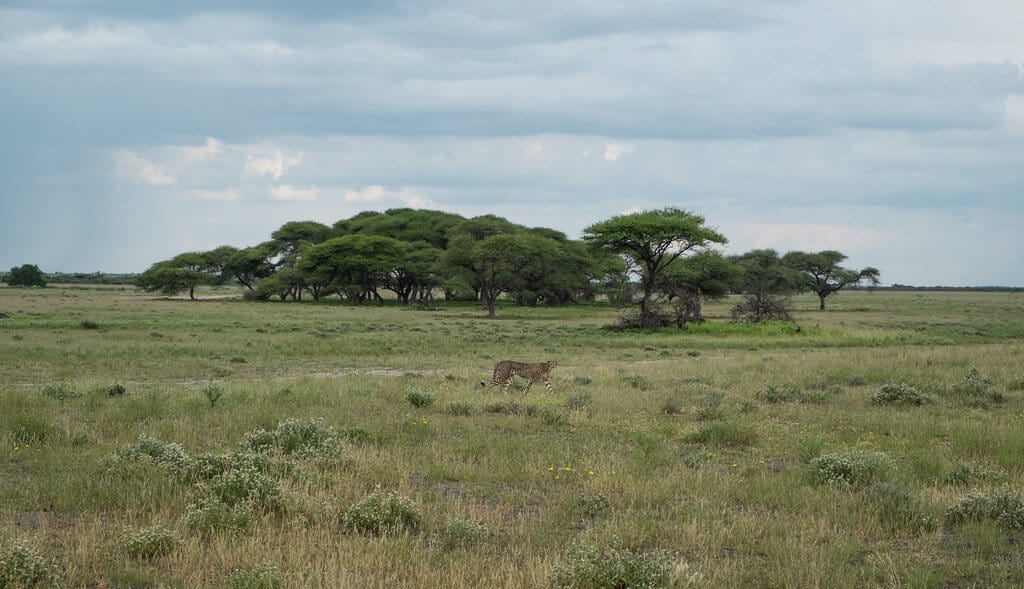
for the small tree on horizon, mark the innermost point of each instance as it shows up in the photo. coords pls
(820, 273)
(26, 275)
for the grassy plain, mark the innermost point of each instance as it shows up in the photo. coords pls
(700, 442)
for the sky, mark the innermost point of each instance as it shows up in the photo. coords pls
(892, 131)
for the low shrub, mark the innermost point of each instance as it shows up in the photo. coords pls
(709, 406)
(381, 512)
(672, 405)
(245, 487)
(21, 565)
(161, 453)
(856, 468)
(1004, 507)
(460, 532)
(208, 515)
(857, 381)
(776, 394)
(458, 408)
(60, 391)
(306, 438)
(637, 381)
(264, 576)
(115, 390)
(213, 393)
(419, 398)
(87, 324)
(615, 566)
(582, 379)
(892, 393)
(591, 506)
(147, 543)
(898, 507)
(965, 474)
(30, 429)
(579, 401)
(976, 391)
(723, 433)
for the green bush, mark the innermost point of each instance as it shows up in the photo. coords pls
(1004, 507)
(672, 405)
(264, 576)
(892, 393)
(245, 486)
(381, 512)
(208, 515)
(304, 437)
(898, 507)
(87, 324)
(60, 391)
(579, 401)
(637, 381)
(587, 567)
(419, 398)
(591, 505)
(723, 433)
(213, 393)
(22, 566)
(463, 532)
(206, 467)
(115, 390)
(709, 406)
(857, 381)
(977, 391)
(966, 474)
(776, 394)
(151, 449)
(458, 408)
(30, 429)
(147, 543)
(856, 468)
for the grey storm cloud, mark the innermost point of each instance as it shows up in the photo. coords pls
(767, 115)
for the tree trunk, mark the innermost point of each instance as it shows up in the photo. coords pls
(192, 293)
(821, 297)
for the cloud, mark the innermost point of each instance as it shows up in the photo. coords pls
(292, 193)
(131, 167)
(612, 151)
(209, 149)
(274, 165)
(377, 194)
(227, 195)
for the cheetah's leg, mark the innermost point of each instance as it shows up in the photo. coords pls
(529, 383)
(504, 389)
(547, 383)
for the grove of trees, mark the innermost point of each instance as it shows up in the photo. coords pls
(662, 262)
(26, 275)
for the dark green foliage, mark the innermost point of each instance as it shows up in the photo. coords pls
(21, 565)
(60, 391)
(591, 506)
(26, 275)
(967, 474)
(419, 398)
(672, 405)
(308, 438)
(87, 324)
(27, 428)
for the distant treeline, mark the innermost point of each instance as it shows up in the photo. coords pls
(90, 278)
(905, 287)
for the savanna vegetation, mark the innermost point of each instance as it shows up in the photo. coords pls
(148, 441)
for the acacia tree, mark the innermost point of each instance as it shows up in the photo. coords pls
(767, 284)
(180, 273)
(352, 265)
(820, 272)
(690, 281)
(491, 255)
(650, 241)
(26, 275)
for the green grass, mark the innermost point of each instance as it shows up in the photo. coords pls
(654, 444)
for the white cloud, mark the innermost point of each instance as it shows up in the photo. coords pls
(374, 194)
(274, 165)
(211, 148)
(132, 167)
(292, 193)
(228, 195)
(612, 151)
(809, 236)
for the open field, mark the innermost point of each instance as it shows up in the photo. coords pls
(722, 447)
